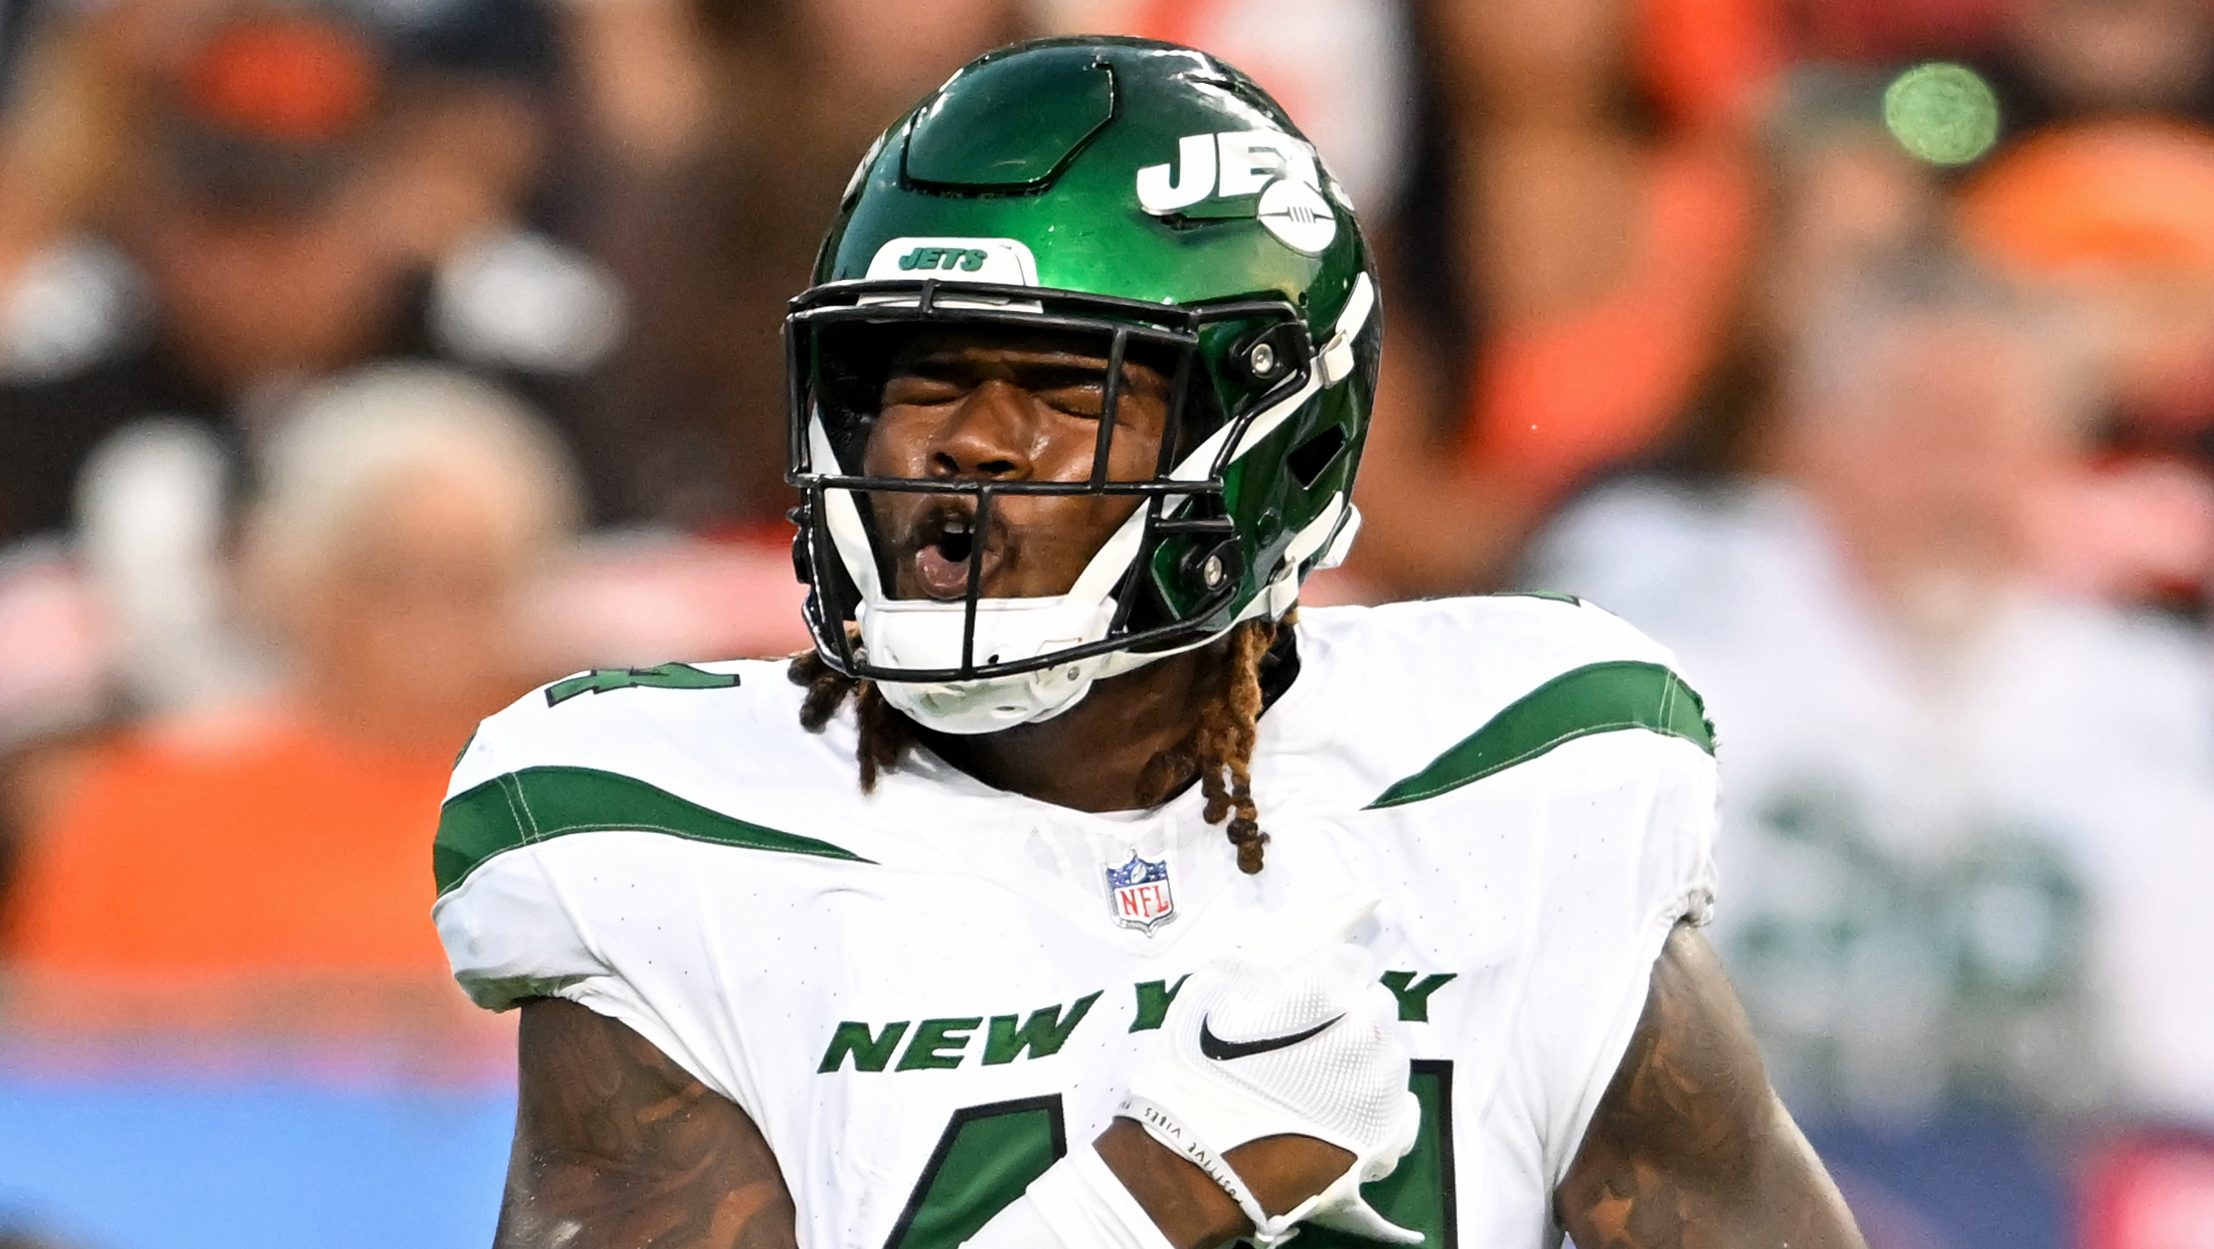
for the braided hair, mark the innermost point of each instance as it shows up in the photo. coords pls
(1219, 747)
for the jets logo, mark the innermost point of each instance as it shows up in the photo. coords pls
(1278, 168)
(965, 258)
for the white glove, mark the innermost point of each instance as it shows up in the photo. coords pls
(1285, 1039)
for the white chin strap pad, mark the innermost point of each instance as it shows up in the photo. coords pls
(926, 634)
(906, 633)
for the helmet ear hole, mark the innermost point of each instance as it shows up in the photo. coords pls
(1311, 459)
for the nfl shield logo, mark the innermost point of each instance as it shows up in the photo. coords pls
(1139, 893)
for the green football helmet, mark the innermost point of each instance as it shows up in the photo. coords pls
(1154, 199)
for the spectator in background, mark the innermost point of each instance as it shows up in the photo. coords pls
(311, 196)
(1843, 199)
(1592, 227)
(1839, 196)
(2064, 61)
(1343, 67)
(65, 131)
(1959, 802)
(715, 239)
(14, 14)
(406, 513)
(2114, 213)
(2053, 61)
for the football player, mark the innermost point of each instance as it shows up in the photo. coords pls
(1070, 892)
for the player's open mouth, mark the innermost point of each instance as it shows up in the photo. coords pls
(946, 543)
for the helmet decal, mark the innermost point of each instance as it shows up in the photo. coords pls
(1278, 167)
(1298, 216)
(1006, 262)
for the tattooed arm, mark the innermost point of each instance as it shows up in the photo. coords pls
(1690, 1149)
(616, 1147)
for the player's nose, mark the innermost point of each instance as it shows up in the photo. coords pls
(988, 434)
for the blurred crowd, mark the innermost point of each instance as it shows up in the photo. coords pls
(365, 362)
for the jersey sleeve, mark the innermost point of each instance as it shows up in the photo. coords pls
(1642, 862)
(508, 933)
(1574, 740)
(516, 910)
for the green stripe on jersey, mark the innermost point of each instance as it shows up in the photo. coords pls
(518, 808)
(1597, 698)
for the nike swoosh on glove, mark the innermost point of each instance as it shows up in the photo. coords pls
(1257, 1046)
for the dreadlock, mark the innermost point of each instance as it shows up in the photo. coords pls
(1219, 747)
(885, 734)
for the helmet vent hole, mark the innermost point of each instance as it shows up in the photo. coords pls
(1312, 458)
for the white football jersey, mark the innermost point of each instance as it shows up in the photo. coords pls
(926, 994)
(2005, 836)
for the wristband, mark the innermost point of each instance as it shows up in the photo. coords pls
(1164, 1127)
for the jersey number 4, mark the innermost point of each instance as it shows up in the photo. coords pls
(661, 677)
(989, 1154)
